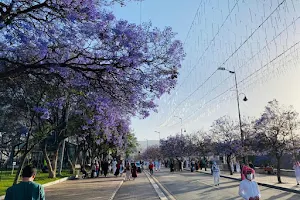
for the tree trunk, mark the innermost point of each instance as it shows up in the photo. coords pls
(278, 169)
(228, 159)
(52, 166)
(21, 165)
(23, 158)
(72, 164)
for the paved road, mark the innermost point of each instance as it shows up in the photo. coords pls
(192, 186)
(87, 189)
(183, 186)
(138, 189)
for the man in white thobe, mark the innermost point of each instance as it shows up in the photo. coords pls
(216, 173)
(238, 167)
(297, 171)
(159, 165)
(114, 166)
(248, 189)
(232, 167)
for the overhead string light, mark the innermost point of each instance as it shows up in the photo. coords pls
(266, 47)
(210, 43)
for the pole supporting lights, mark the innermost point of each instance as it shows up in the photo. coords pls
(158, 134)
(180, 123)
(147, 143)
(238, 105)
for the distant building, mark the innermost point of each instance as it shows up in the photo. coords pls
(143, 144)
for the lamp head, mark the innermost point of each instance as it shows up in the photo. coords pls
(245, 99)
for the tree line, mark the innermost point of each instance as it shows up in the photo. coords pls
(275, 132)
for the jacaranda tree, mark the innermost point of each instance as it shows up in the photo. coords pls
(104, 70)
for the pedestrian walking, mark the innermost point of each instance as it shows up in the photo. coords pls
(180, 164)
(246, 168)
(105, 167)
(102, 167)
(238, 167)
(159, 165)
(97, 168)
(114, 166)
(232, 167)
(192, 165)
(176, 165)
(133, 171)
(84, 172)
(26, 189)
(248, 189)
(216, 173)
(151, 166)
(121, 168)
(296, 167)
(117, 172)
(128, 172)
(94, 174)
(172, 166)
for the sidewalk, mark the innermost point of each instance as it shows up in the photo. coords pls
(140, 188)
(288, 183)
(91, 188)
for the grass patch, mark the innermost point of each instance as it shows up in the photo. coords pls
(6, 179)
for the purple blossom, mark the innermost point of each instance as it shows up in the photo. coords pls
(46, 115)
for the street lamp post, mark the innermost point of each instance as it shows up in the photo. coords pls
(238, 105)
(180, 123)
(158, 134)
(147, 143)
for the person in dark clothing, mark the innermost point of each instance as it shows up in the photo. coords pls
(171, 166)
(151, 166)
(251, 165)
(27, 189)
(118, 169)
(99, 168)
(102, 167)
(84, 172)
(105, 168)
(133, 171)
(179, 165)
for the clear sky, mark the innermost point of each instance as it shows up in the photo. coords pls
(258, 39)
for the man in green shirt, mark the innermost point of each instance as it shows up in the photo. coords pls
(27, 189)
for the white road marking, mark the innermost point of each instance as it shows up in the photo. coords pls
(115, 192)
(159, 187)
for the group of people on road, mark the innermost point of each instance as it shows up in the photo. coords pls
(104, 168)
(98, 168)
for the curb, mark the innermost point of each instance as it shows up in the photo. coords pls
(55, 182)
(158, 187)
(46, 184)
(259, 183)
(158, 191)
(115, 192)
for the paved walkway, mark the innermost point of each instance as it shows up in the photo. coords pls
(137, 189)
(266, 180)
(86, 189)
